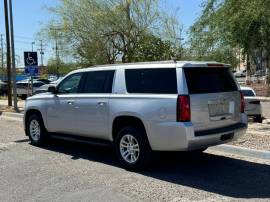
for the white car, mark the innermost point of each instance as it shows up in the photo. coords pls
(24, 88)
(141, 107)
(240, 73)
(253, 105)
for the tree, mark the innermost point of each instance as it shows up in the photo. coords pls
(226, 25)
(104, 31)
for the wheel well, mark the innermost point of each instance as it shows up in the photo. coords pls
(30, 112)
(122, 121)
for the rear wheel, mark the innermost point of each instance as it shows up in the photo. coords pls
(35, 130)
(258, 119)
(132, 148)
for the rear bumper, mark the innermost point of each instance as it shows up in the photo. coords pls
(182, 137)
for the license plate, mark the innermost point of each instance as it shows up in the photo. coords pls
(217, 109)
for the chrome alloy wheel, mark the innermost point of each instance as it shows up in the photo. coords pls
(129, 148)
(34, 129)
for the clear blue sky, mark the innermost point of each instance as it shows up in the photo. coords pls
(30, 15)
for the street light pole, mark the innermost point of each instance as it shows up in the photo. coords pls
(13, 57)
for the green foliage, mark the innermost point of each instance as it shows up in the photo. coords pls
(54, 67)
(106, 31)
(229, 25)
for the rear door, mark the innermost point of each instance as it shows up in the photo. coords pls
(214, 97)
(91, 107)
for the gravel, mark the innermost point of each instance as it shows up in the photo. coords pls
(257, 137)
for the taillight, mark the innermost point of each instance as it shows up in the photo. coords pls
(242, 108)
(183, 108)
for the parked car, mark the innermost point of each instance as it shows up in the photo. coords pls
(45, 81)
(260, 73)
(24, 88)
(252, 104)
(240, 73)
(3, 88)
(140, 108)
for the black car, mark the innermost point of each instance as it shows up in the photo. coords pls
(3, 88)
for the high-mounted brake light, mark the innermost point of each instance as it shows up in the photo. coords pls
(183, 108)
(242, 104)
(215, 65)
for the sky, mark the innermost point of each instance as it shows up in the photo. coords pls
(30, 15)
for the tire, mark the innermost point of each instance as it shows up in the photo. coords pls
(35, 130)
(23, 97)
(198, 151)
(258, 119)
(138, 154)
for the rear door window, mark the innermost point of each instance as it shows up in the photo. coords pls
(98, 82)
(154, 81)
(209, 80)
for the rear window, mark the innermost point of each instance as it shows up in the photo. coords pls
(248, 93)
(154, 81)
(209, 80)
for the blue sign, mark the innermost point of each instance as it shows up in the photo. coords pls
(32, 70)
(31, 63)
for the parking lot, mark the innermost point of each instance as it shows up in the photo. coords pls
(65, 171)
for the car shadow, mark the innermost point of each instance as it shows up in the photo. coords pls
(212, 173)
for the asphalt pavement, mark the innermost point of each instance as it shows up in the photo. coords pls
(65, 171)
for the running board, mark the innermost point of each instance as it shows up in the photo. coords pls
(81, 139)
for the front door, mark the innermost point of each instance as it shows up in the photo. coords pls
(60, 110)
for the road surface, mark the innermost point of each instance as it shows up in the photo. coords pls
(64, 171)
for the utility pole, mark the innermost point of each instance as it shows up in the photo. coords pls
(8, 52)
(13, 58)
(32, 46)
(41, 51)
(2, 55)
(56, 49)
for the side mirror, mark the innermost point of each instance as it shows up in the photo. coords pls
(52, 89)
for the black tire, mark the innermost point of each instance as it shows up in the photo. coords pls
(198, 151)
(43, 135)
(258, 119)
(23, 97)
(145, 152)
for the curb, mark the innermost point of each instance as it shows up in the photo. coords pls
(243, 151)
(12, 114)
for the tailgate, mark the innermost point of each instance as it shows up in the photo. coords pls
(214, 97)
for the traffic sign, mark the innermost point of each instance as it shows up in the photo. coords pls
(30, 58)
(32, 70)
(31, 63)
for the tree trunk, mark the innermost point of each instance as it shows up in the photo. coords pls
(248, 69)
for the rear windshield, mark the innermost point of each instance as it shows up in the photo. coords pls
(154, 81)
(248, 93)
(209, 80)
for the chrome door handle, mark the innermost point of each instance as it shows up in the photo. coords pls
(101, 103)
(70, 102)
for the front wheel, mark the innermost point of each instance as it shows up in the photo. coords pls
(132, 148)
(35, 130)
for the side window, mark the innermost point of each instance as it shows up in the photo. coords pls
(154, 81)
(98, 82)
(36, 85)
(70, 84)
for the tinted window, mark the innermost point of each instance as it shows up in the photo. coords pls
(38, 84)
(155, 81)
(98, 82)
(248, 93)
(209, 80)
(70, 84)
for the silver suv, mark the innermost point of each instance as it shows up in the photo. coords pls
(142, 107)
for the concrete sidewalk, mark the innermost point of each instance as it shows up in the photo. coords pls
(4, 104)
